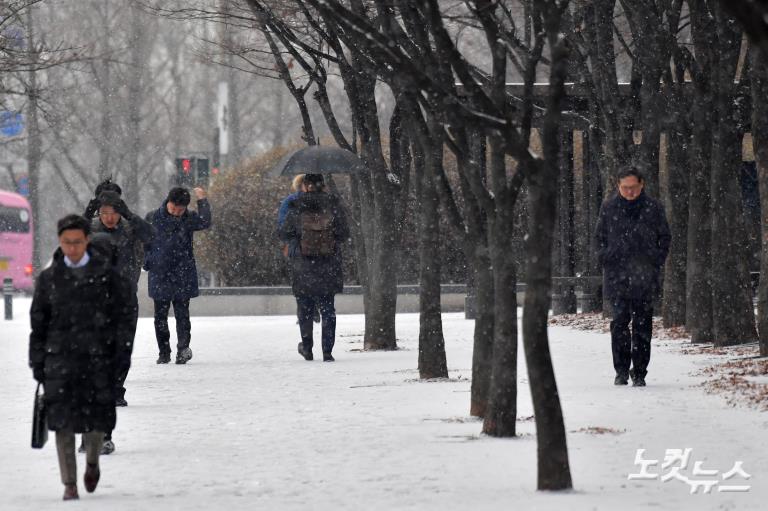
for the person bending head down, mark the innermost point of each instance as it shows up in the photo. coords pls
(178, 200)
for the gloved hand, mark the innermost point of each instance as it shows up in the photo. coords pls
(92, 208)
(39, 374)
(122, 209)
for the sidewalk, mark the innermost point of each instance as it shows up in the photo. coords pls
(248, 424)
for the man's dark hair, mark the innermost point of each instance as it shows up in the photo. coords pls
(108, 186)
(73, 222)
(631, 171)
(316, 180)
(109, 198)
(179, 196)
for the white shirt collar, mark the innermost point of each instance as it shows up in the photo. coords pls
(82, 262)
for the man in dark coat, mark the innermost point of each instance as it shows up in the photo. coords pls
(81, 319)
(633, 240)
(172, 270)
(315, 230)
(127, 233)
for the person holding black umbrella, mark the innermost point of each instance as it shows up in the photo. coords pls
(315, 229)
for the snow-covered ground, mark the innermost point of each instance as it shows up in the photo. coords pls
(248, 424)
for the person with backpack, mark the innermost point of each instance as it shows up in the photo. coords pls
(315, 229)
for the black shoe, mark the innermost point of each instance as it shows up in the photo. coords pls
(184, 356)
(327, 357)
(70, 492)
(164, 358)
(306, 354)
(91, 477)
(121, 402)
(620, 379)
(638, 382)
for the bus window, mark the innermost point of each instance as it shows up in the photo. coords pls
(13, 219)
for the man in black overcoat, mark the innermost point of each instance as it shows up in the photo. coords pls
(81, 321)
(633, 240)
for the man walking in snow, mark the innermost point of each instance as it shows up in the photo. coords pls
(127, 233)
(633, 240)
(172, 269)
(80, 316)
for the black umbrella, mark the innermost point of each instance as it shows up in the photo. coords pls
(318, 160)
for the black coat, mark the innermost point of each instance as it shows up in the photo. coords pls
(128, 238)
(632, 243)
(315, 276)
(81, 318)
(169, 257)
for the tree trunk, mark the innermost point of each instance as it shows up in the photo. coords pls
(698, 302)
(733, 312)
(651, 115)
(673, 305)
(432, 361)
(501, 414)
(482, 353)
(760, 144)
(135, 100)
(564, 296)
(34, 145)
(553, 466)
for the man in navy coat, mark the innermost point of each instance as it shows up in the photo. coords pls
(632, 243)
(171, 264)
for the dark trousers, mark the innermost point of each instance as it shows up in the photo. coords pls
(125, 352)
(123, 361)
(306, 311)
(632, 347)
(183, 326)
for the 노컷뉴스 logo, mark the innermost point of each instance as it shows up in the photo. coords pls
(675, 467)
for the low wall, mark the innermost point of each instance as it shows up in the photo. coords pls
(274, 301)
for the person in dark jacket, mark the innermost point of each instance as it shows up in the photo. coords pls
(127, 233)
(315, 229)
(633, 240)
(172, 270)
(81, 318)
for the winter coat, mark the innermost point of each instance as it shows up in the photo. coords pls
(81, 319)
(633, 240)
(169, 257)
(285, 206)
(128, 238)
(322, 275)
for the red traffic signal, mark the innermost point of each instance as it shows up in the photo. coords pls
(186, 165)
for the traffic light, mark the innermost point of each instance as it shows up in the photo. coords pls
(192, 171)
(203, 173)
(185, 172)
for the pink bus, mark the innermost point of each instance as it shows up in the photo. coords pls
(16, 240)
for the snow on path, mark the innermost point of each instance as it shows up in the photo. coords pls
(248, 424)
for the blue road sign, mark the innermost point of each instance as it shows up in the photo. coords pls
(11, 123)
(22, 186)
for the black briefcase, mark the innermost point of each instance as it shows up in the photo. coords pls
(39, 424)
